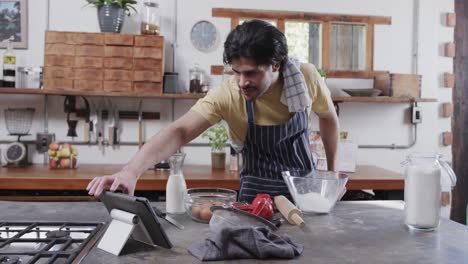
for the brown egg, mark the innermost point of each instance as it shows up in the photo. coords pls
(196, 211)
(206, 214)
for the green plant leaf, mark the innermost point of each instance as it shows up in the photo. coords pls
(217, 137)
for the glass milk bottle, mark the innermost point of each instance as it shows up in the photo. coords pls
(424, 185)
(176, 186)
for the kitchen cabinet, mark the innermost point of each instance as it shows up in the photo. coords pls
(378, 99)
(365, 232)
(40, 178)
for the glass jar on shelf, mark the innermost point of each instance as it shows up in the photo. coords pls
(150, 18)
(196, 79)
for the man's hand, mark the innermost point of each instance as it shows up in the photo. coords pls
(122, 179)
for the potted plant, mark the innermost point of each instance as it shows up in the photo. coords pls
(323, 73)
(111, 13)
(218, 138)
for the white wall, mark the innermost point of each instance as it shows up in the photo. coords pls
(372, 123)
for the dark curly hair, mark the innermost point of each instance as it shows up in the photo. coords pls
(257, 40)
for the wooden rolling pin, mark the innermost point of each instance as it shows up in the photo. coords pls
(289, 211)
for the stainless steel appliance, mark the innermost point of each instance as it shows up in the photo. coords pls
(47, 242)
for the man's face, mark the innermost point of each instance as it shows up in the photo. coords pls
(254, 80)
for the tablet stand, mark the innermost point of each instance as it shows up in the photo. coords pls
(123, 225)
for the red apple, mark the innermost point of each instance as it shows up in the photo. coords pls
(65, 163)
(54, 146)
(52, 164)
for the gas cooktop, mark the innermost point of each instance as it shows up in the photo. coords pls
(46, 242)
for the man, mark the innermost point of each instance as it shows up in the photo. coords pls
(266, 106)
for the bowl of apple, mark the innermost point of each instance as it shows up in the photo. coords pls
(62, 156)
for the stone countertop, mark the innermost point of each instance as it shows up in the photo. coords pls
(355, 232)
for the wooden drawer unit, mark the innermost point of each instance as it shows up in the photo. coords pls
(149, 41)
(88, 74)
(57, 60)
(59, 49)
(115, 39)
(147, 76)
(89, 39)
(147, 64)
(89, 50)
(118, 75)
(58, 72)
(118, 51)
(143, 52)
(58, 84)
(118, 86)
(103, 61)
(119, 63)
(148, 87)
(89, 62)
(87, 85)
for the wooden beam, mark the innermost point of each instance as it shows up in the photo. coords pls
(447, 110)
(450, 20)
(281, 25)
(234, 22)
(369, 47)
(447, 138)
(449, 80)
(326, 46)
(460, 116)
(354, 74)
(274, 15)
(449, 50)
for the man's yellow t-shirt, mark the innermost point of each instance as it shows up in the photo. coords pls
(227, 103)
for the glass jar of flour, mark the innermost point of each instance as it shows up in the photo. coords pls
(428, 182)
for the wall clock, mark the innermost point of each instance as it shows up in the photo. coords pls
(204, 36)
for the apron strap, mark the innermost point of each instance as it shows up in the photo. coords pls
(250, 113)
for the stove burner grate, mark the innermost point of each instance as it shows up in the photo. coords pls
(47, 242)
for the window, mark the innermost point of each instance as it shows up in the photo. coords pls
(304, 41)
(347, 47)
(343, 45)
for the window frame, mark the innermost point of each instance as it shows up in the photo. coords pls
(325, 20)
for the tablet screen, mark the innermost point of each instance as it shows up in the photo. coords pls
(139, 206)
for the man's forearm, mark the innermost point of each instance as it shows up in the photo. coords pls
(329, 131)
(158, 148)
(162, 145)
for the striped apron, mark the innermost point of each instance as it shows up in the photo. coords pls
(269, 150)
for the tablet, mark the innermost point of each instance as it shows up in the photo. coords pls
(139, 206)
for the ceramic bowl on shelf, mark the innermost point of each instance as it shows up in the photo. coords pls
(363, 92)
(198, 201)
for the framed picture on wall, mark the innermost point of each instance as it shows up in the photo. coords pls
(13, 23)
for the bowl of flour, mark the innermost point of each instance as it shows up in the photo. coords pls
(318, 192)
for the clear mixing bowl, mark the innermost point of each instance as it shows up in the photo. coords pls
(316, 192)
(199, 200)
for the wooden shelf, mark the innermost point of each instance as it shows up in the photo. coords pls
(40, 177)
(377, 99)
(98, 93)
(381, 99)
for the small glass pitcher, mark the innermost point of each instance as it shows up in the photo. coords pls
(176, 186)
(427, 178)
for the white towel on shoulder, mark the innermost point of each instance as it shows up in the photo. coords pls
(295, 93)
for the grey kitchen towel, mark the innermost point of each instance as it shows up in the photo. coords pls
(245, 243)
(295, 93)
